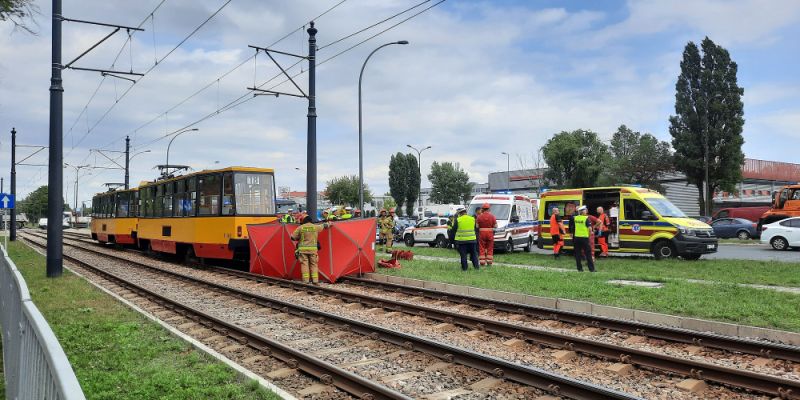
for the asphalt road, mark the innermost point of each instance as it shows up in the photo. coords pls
(757, 252)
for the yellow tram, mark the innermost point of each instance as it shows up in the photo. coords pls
(203, 214)
(114, 217)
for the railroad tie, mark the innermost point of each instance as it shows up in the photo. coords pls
(447, 394)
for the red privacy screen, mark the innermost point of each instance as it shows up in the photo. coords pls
(348, 247)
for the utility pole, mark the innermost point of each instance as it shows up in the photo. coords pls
(127, 162)
(12, 235)
(311, 152)
(55, 176)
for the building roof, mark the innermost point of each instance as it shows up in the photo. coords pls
(770, 170)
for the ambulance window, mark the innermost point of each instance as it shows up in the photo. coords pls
(548, 208)
(634, 209)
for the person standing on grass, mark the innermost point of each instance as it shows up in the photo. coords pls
(486, 224)
(466, 237)
(602, 231)
(556, 231)
(581, 227)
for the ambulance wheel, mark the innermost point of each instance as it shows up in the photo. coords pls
(409, 240)
(509, 246)
(441, 242)
(529, 246)
(664, 249)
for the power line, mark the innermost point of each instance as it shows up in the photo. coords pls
(116, 58)
(216, 81)
(158, 62)
(373, 25)
(244, 98)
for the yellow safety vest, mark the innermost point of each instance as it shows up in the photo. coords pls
(581, 230)
(466, 229)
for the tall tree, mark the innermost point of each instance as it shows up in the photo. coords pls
(574, 159)
(638, 158)
(707, 128)
(413, 183)
(449, 183)
(397, 178)
(344, 190)
(19, 13)
(34, 205)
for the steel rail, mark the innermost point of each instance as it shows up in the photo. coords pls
(733, 344)
(722, 375)
(327, 373)
(530, 376)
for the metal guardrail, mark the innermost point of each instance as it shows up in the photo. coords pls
(34, 363)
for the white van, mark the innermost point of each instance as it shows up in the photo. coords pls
(516, 219)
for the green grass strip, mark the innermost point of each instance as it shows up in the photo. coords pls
(723, 302)
(649, 269)
(119, 354)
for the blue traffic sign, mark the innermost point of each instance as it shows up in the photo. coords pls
(6, 200)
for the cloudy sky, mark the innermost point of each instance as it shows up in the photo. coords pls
(479, 78)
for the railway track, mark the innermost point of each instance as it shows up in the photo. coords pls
(492, 369)
(737, 378)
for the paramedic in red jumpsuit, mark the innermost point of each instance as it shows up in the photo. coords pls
(486, 223)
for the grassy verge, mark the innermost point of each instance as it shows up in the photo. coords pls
(723, 302)
(117, 353)
(648, 268)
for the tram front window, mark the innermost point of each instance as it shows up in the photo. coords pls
(254, 194)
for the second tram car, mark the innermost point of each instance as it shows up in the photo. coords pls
(114, 217)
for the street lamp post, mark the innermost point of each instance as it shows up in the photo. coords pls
(360, 141)
(166, 167)
(419, 164)
(78, 169)
(508, 170)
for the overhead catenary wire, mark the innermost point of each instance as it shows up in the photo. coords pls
(156, 64)
(223, 76)
(372, 26)
(248, 96)
(116, 58)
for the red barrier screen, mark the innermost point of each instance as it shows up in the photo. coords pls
(348, 247)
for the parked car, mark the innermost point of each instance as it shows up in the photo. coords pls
(751, 213)
(740, 228)
(42, 223)
(432, 231)
(782, 235)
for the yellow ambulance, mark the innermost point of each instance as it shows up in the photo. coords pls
(642, 221)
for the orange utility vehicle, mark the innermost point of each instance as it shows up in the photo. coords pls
(785, 204)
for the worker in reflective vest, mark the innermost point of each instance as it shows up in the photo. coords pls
(466, 237)
(580, 228)
(556, 231)
(486, 224)
(307, 248)
(288, 218)
(602, 231)
(347, 213)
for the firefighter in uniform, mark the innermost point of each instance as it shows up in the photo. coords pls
(347, 213)
(386, 225)
(466, 237)
(602, 226)
(580, 228)
(486, 224)
(556, 231)
(288, 218)
(307, 247)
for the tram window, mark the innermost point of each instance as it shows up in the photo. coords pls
(228, 207)
(166, 210)
(158, 201)
(191, 199)
(208, 198)
(133, 209)
(254, 194)
(122, 204)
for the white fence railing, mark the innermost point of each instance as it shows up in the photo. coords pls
(34, 363)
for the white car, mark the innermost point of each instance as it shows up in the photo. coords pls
(783, 234)
(432, 231)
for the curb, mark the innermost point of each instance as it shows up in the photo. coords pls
(585, 307)
(242, 371)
